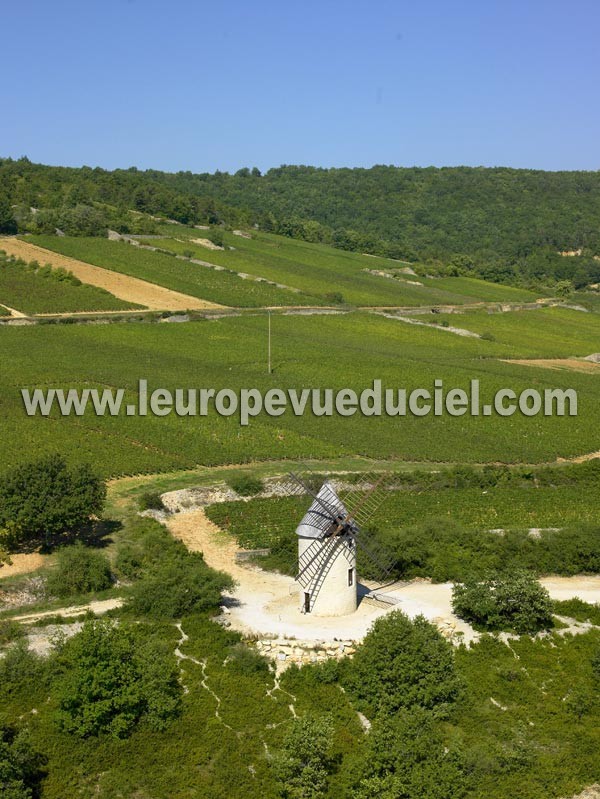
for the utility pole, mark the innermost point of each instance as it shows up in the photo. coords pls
(269, 312)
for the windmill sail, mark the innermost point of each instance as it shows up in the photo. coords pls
(325, 515)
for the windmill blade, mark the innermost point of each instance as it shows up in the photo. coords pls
(379, 556)
(364, 497)
(313, 485)
(326, 515)
(314, 560)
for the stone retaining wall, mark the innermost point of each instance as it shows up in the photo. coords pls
(286, 651)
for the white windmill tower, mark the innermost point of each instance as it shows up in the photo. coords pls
(328, 537)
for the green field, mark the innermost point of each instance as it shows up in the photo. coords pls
(37, 293)
(314, 351)
(318, 269)
(257, 522)
(576, 333)
(198, 281)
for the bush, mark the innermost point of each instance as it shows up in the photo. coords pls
(83, 220)
(177, 586)
(45, 498)
(578, 609)
(406, 756)
(216, 236)
(129, 561)
(111, 678)
(403, 663)
(248, 661)
(20, 765)
(79, 570)
(20, 668)
(151, 500)
(515, 602)
(246, 485)
(10, 631)
(302, 765)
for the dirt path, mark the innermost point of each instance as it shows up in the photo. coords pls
(129, 289)
(98, 606)
(569, 364)
(13, 312)
(266, 603)
(589, 456)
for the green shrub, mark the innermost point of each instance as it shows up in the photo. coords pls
(176, 586)
(216, 236)
(20, 765)
(247, 661)
(514, 602)
(578, 609)
(246, 485)
(79, 570)
(303, 764)
(129, 561)
(403, 663)
(151, 500)
(46, 498)
(10, 631)
(111, 678)
(406, 756)
(20, 668)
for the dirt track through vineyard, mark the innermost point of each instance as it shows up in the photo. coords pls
(125, 287)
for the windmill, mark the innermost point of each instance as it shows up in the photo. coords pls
(329, 535)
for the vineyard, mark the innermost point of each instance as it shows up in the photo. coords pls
(315, 351)
(32, 289)
(318, 270)
(447, 533)
(222, 287)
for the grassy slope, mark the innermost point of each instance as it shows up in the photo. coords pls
(319, 269)
(198, 281)
(337, 352)
(32, 293)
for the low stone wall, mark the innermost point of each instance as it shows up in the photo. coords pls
(249, 554)
(286, 651)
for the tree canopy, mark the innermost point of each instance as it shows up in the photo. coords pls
(46, 498)
(112, 677)
(403, 663)
(500, 223)
(513, 601)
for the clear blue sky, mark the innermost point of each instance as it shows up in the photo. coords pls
(221, 85)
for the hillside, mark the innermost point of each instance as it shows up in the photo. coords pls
(508, 225)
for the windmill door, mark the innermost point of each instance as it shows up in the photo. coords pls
(306, 602)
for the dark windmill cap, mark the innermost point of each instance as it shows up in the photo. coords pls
(325, 509)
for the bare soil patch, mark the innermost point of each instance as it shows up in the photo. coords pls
(22, 564)
(570, 364)
(125, 287)
(266, 603)
(591, 792)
